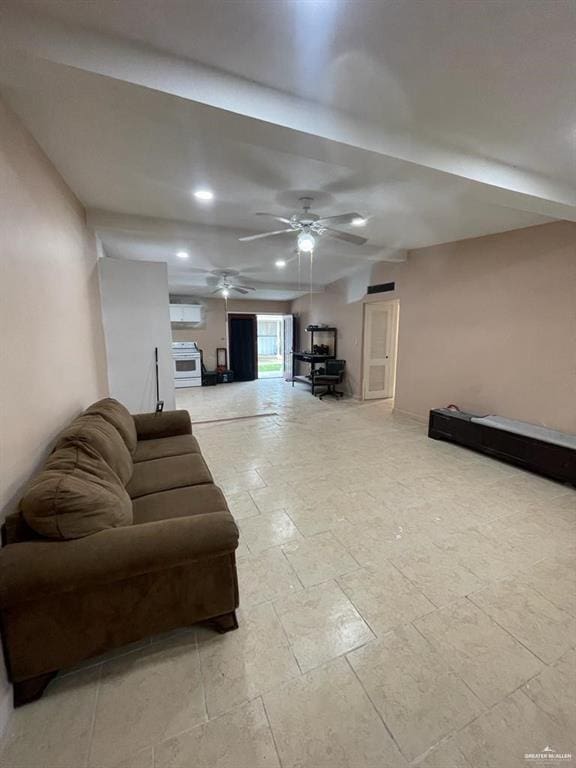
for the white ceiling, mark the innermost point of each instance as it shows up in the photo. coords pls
(445, 120)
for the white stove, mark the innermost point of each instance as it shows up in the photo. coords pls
(187, 364)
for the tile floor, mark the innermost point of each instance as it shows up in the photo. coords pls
(403, 602)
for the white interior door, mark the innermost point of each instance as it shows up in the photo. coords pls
(380, 345)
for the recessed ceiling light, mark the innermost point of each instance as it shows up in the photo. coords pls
(280, 263)
(359, 221)
(204, 194)
(183, 254)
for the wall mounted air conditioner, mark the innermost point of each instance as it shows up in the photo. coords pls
(185, 313)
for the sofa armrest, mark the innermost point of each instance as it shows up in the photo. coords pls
(32, 570)
(164, 424)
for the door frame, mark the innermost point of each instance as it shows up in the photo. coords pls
(289, 353)
(396, 304)
(256, 315)
(280, 317)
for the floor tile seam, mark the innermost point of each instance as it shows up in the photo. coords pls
(449, 666)
(463, 565)
(518, 690)
(536, 704)
(210, 641)
(374, 707)
(93, 718)
(414, 585)
(512, 574)
(199, 662)
(457, 731)
(444, 740)
(203, 724)
(538, 591)
(338, 655)
(328, 579)
(274, 741)
(292, 569)
(358, 611)
(470, 596)
(154, 745)
(288, 643)
(324, 530)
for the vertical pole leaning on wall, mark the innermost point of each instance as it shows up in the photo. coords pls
(159, 403)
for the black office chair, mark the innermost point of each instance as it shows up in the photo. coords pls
(333, 375)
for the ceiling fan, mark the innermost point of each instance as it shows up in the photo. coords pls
(310, 226)
(226, 283)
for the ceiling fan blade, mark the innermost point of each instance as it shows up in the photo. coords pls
(264, 234)
(349, 238)
(246, 270)
(244, 287)
(274, 216)
(240, 290)
(342, 218)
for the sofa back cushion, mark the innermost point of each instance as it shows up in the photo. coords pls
(93, 430)
(75, 495)
(119, 416)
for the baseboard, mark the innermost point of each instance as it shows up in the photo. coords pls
(416, 416)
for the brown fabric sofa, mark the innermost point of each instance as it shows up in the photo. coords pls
(63, 600)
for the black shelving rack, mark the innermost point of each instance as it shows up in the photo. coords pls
(312, 359)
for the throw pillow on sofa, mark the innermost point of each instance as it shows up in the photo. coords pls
(93, 430)
(75, 495)
(119, 416)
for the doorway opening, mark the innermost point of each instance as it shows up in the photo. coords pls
(242, 346)
(270, 335)
(380, 349)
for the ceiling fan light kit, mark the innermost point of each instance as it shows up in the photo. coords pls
(306, 242)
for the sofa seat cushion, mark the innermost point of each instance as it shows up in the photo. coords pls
(170, 472)
(159, 448)
(94, 430)
(119, 416)
(76, 494)
(178, 502)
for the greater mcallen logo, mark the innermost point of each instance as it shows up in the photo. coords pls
(548, 754)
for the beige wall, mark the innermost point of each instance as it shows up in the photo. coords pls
(51, 346)
(214, 333)
(487, 323)
(490, 324)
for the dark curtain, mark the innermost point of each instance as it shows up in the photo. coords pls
(242, 339)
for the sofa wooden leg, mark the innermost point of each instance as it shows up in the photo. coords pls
(31, 689)
(225, 623)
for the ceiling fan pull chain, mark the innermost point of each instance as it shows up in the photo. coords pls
(311, 272)
(299, 276)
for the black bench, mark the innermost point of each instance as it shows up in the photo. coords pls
(547, 452)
